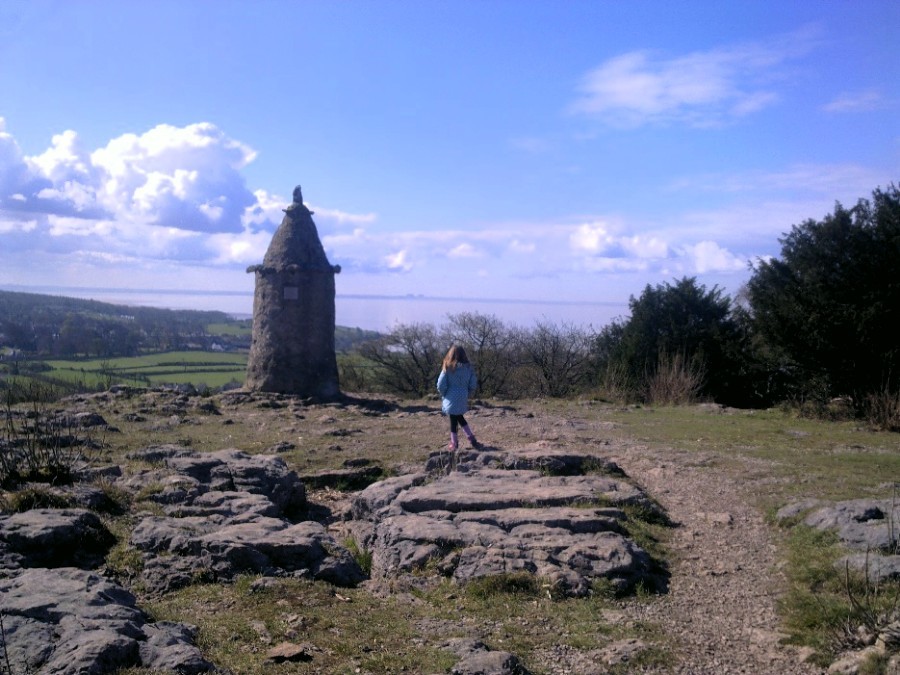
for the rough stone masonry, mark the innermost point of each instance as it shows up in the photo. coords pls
(292, 350)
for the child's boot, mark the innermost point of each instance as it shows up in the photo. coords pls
(475, 444)
(454, 442)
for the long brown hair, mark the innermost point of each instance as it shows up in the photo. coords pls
(455, 355)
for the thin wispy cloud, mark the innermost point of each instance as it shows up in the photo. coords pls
(527, 249)
(858, 101)
(703, 88)
(801, 184)
(342, 217)
(531, 144)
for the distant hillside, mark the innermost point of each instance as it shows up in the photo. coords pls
(49, 325)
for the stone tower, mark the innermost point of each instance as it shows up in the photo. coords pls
(292, 351)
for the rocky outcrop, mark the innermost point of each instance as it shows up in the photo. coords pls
(482, 519)
(476, 658)
(869, 527)
(228, 513)
(62, 618)
(54, 538)
(860, 523)
(564, 518)
(222, 514)
(68, 621)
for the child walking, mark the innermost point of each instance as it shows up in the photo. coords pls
(456, 383)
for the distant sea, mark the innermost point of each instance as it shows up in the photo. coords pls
(370, 312)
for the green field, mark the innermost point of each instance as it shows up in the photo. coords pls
(212, 369)
(234, 328)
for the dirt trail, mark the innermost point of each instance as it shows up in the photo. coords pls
(721, 608)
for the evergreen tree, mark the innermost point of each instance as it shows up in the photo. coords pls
(826, 311)
(684, 321)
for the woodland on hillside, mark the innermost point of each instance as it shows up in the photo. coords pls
(45, 326)
(53, 326)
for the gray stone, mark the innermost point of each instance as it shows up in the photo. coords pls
(476, 658)
(481, 521)
(68, 621)
(56, 537)
(548, 458)
(170, 646)
(876, 567)
(382, 494)
(232, 505)
(860, 523)
(180, 551)
(489, 663)
(223, 471)
(292, 347)
(493, 489)
(224, 516)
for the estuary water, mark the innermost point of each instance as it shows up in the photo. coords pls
(370, 312)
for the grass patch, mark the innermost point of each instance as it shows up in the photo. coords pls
(812, 458)
(35, 497)
(350, 629)
(518, 612)
(826, 607)
(362, 558)
(521, 583)
(200, 368)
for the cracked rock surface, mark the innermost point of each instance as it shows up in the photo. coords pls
(484, 519)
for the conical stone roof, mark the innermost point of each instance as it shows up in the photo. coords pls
(296, 242)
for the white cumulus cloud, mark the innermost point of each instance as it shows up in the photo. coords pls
(399, 261)
(591, 238)
(175, 193)
(645, 246)
(464, 250)
(708, 256)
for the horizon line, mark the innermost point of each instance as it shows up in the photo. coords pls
(351, 296)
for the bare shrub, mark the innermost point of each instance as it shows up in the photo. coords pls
(353, 375)
(676, 381)
(616, 384)
(882, 410)
(874, 602)
(492, 346)
(36, 443)
(560, 355)
(409, 358)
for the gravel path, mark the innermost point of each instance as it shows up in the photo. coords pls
(720, 611)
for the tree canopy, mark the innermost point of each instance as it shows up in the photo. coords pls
(827, 308)
(683, 320)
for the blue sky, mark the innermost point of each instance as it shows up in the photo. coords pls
(495, 149)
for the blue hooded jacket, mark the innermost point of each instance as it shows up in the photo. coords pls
(456, 386)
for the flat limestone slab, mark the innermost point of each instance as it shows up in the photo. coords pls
(487, 520)
(498, 489)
